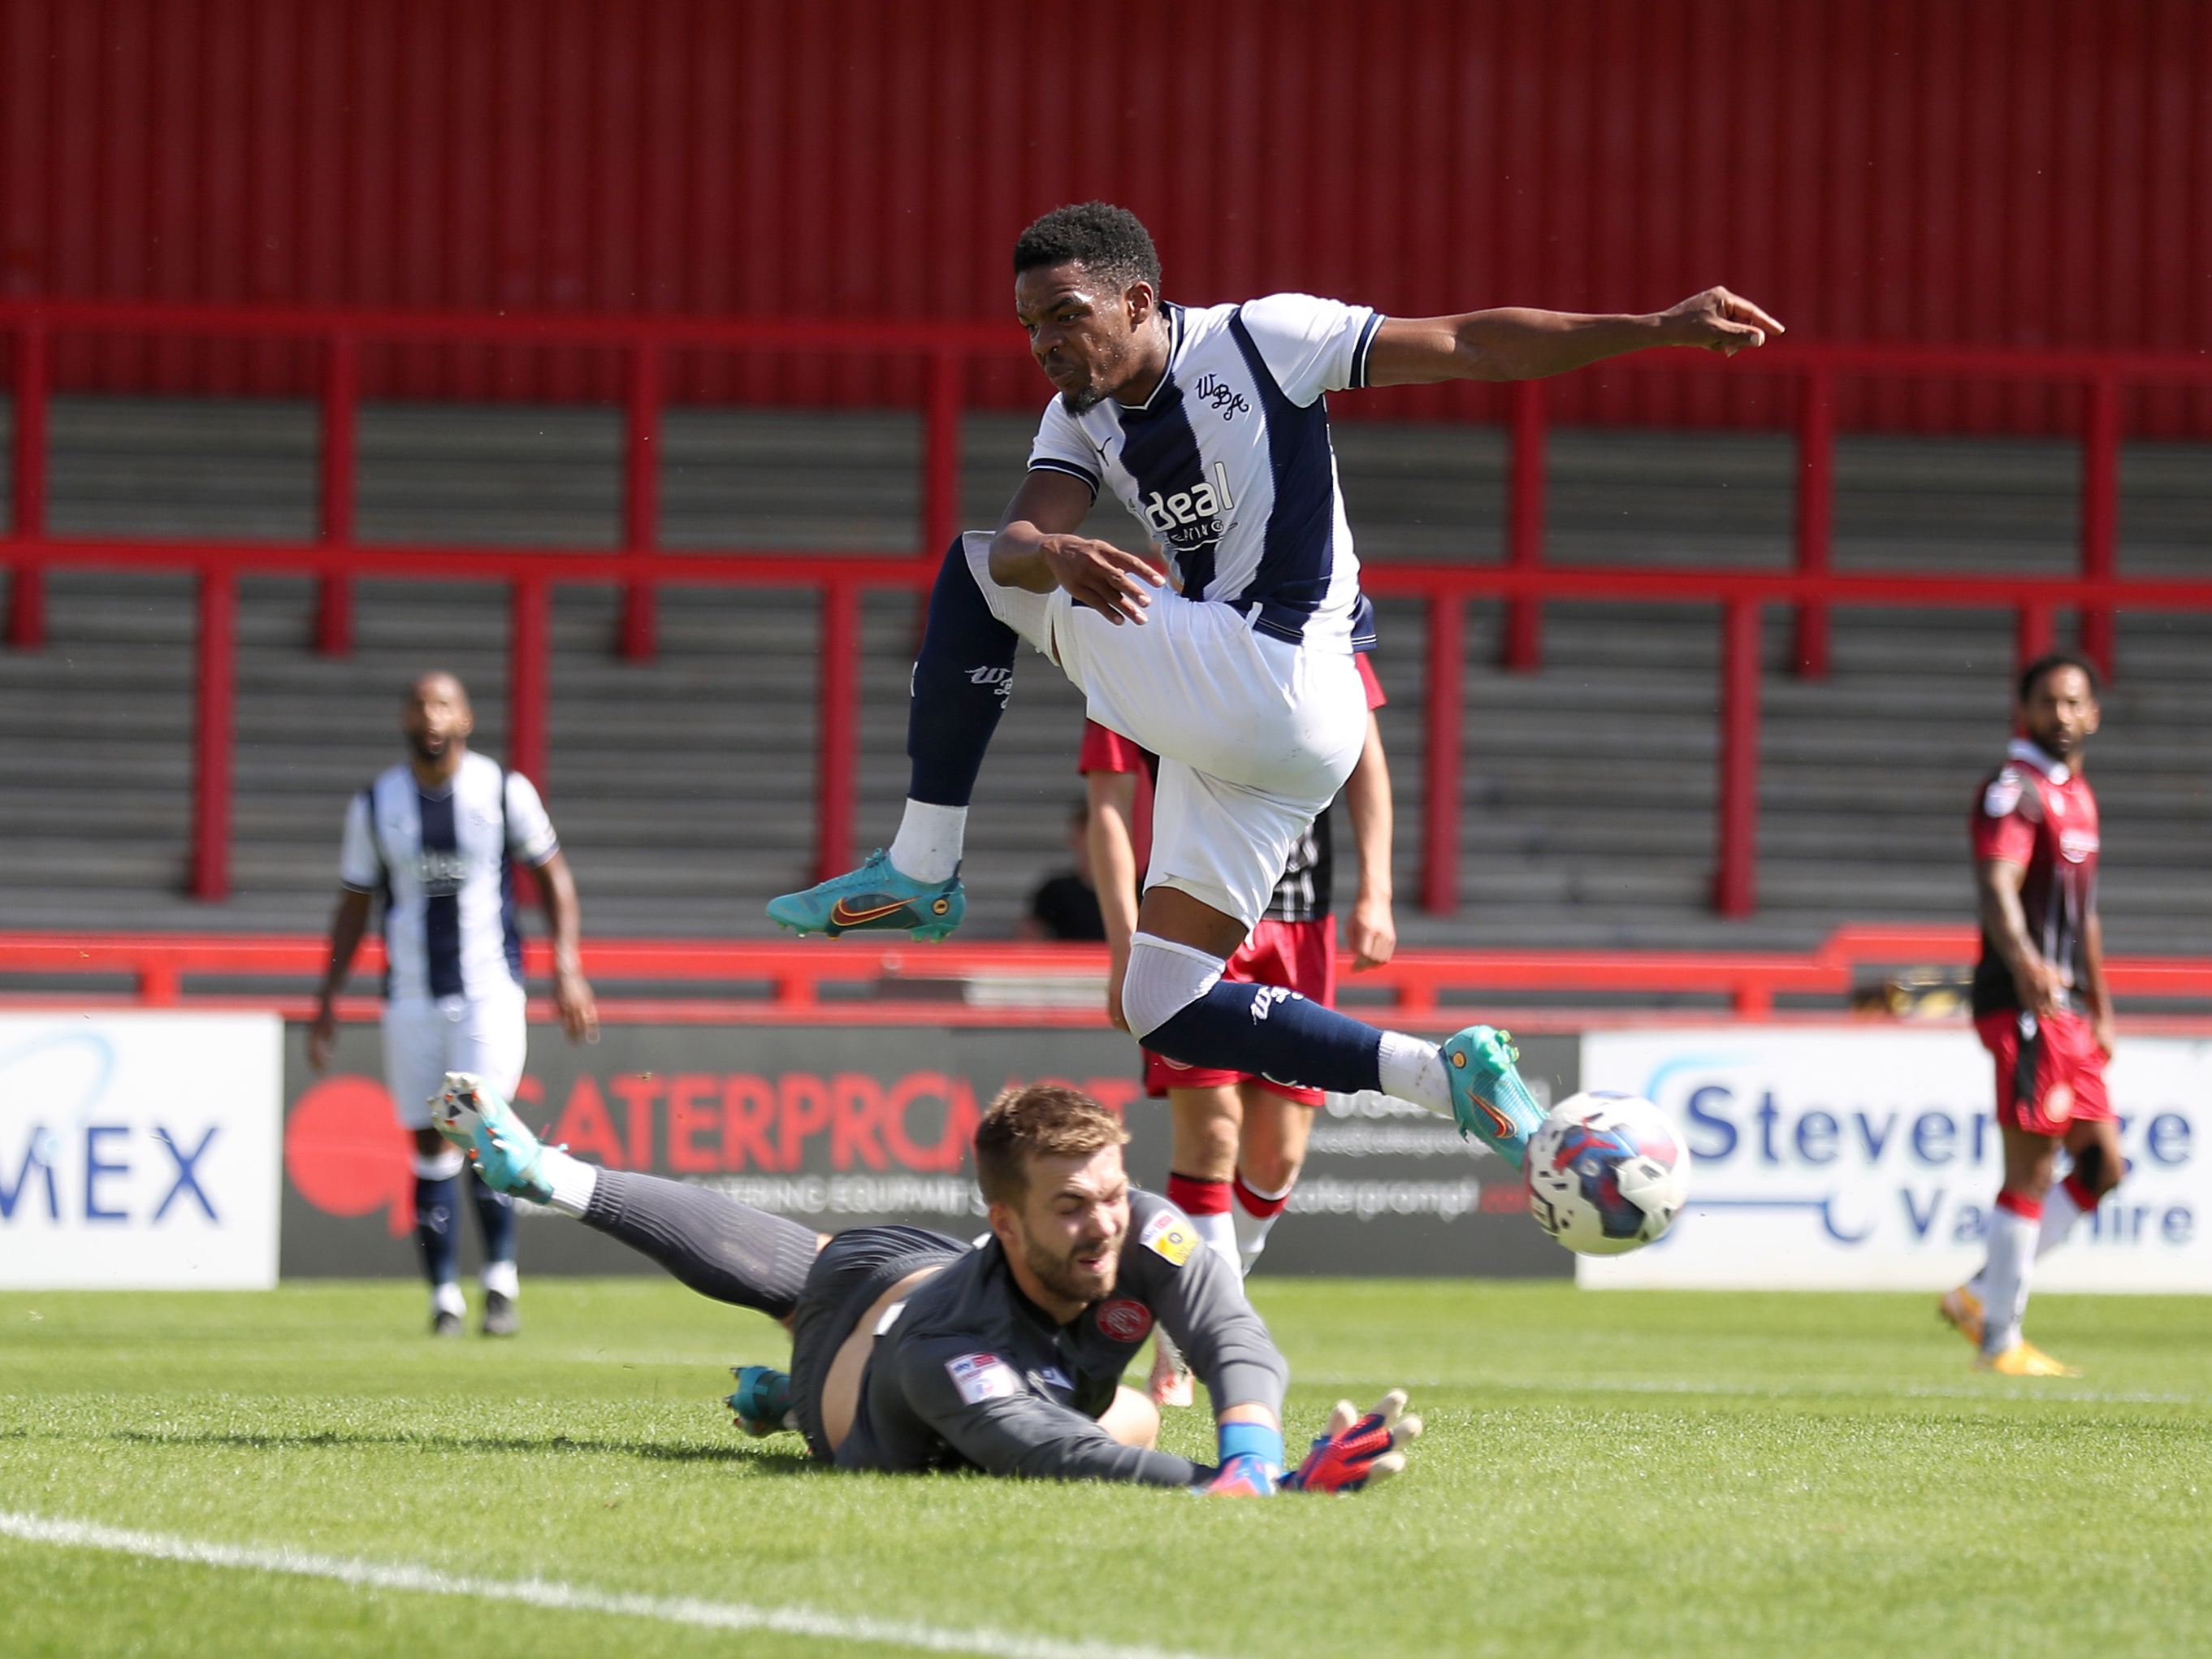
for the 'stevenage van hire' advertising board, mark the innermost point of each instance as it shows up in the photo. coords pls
(139, 1150)
(842, 1125)
(1843, 1159)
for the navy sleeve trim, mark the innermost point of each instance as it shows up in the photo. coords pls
(1363, 636)
(1053, 464)
(1359, 352)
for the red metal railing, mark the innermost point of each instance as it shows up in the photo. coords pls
(1811, 588)
(789, 983)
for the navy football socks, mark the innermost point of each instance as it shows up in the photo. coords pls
(495, 1215)
(962, 680)
(436, 1204)
(1271, 1033)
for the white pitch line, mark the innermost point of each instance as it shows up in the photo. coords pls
(560, 1597)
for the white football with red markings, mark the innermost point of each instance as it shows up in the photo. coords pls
(1606, 1173)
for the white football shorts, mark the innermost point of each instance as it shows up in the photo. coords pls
(1255, 735)
(424, 1039)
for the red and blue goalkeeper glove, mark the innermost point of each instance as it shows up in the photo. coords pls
(1357, 1452)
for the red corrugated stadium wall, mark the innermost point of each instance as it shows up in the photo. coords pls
(2021, 173)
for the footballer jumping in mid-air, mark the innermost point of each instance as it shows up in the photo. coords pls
(1237, 668)
(913, 1350)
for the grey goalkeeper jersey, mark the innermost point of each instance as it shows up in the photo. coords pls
(970, 1373)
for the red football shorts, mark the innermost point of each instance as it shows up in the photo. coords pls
(1299, 956)
(2049, 1078)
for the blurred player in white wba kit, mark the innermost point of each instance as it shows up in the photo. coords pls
(1210, 425)
(437, 838)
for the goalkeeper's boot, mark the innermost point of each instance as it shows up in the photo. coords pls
(468, 1112)
(2024, 1359)
(1489, 1100)
(874, 897)
(762, 1403)
(1961, 1310)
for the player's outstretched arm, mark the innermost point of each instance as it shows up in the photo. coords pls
(1036, 549)
(1517, 343)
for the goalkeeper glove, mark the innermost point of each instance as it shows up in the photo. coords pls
(1355, 1450)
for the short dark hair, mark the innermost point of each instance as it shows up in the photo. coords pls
(1109, 242)
(2049, 662)
(1037, 1119)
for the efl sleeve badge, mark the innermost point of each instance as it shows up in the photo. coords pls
(1169, 1237)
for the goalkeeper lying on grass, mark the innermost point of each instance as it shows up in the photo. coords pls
(910, 1350)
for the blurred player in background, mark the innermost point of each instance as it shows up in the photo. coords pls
(1239, 1139)
(2040, 1005)
(1209, 424)
(437, 838)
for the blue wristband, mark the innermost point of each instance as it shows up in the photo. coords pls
(1236, 1439)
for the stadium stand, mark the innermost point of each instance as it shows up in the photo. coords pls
(684, 786)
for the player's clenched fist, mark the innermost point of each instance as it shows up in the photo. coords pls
(1356, 1451)
(1111, 580)
(1717, 320)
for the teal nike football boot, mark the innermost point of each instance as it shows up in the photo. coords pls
(762, 1403)
(475, 1119)
(1489, 1100)
(875, 896)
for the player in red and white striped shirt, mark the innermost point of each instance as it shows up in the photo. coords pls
(1240, 1139)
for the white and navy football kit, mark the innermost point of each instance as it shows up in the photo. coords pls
(1242, 681)
(443, 863)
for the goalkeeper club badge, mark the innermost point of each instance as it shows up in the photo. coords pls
(1125, 1320)
(1169, 1237)
(981, 1377)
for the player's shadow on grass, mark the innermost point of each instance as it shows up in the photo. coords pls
(760, 1459)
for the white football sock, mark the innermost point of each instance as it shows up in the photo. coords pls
(2012, 1263)
(1414, 1070)
(928, 847)
(573, 1180)
(1252, 1230)
(500, 1278)
(2060, 1211)
(447, 1298)
(1219, 1232)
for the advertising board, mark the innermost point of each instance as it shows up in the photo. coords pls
(138, 1151)
(840, 1126)
(1841, 1159)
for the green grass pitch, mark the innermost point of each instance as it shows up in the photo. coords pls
(1602, 1473)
